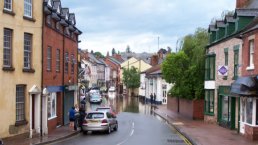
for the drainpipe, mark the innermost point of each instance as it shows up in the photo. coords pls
(63, 76)
(42, 50)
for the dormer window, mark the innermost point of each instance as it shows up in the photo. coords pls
(66, 17)
(28, 8)
(8, 5)
(49, 3)
(58, 26)
(58, 9)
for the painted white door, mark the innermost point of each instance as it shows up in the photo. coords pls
(164, 94)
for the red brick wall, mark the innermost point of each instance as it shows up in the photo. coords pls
(52, 124)
(251, 132)
(245, 54)
(193, 109)
(198, 109)
(241, 3)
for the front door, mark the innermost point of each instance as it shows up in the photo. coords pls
(164, 94)
(227, 111)
(68, 103)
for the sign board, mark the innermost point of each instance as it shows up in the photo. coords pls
(223, 70)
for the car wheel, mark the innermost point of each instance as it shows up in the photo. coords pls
(109, 130)
(85, 132)
(116, 127)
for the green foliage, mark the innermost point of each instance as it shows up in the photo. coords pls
(99, 54)
(185, 69)
(131, 78)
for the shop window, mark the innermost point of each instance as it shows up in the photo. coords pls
(209, 102)
(243, 109)
(51, 106)
(226, 108)
(249, 110)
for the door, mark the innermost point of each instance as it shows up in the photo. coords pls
(227, 108)
(164, 94)
(33, 111)
(68, 103)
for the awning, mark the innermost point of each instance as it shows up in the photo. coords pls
(245, 86)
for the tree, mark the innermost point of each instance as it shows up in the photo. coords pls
(131, 78)
(186, 68)
(98, 54)
(128, 49)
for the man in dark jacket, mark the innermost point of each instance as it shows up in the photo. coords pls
(151, 97)
(72, 118)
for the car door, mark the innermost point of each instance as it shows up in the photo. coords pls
(110, 119)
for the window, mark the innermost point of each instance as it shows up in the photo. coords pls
(210, 67)
(66, 62)
(51, 106)
(20, 103)
(27, 50)
(72, 63)
(7, 48)
(251, 52)
(249, 110)
(236, 57)
(209, 102)
(28, 8)
(49, 58)
(226, 56)
(58, 60)
(8, 5)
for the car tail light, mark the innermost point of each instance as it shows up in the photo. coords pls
(85, 122)
(104, 121)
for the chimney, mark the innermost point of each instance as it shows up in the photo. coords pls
(241, 3)
(118, 57)
(154, 60)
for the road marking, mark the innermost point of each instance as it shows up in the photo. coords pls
(131, 134)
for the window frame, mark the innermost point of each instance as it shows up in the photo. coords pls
(6, 48)
(49, 58)
(66, 69)
(211, 93)
(236, 61)
(72, 64)
(10, 4)
(28, 4)
(21, 102)
(209, 68)
(58, 60)
(251, 53)
(27, 53)
(53, 113)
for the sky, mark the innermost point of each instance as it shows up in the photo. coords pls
(143, 25)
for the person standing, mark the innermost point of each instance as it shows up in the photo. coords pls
(154, 98)
(151, 97)
(72, 117)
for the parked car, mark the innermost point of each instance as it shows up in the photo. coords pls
(106, 109)
(95, 98)
(99, 121)
(112, 89)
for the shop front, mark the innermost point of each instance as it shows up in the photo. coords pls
(70, 99)
(227, 108)
(247, 89)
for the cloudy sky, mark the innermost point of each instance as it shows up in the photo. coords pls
(108, 24)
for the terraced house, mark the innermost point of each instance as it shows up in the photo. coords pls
(20, 76)
(60, 52)
(224, 64)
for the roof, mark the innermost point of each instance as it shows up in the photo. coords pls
(212, 28)
(246, 12)
(220, 24)
(94, 59)
(253, 4)
(152, 69)
(252, 26)
(114, 60)
(229, 18)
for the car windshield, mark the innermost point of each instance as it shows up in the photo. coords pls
(95, 116)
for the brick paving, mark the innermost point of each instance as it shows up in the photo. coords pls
(202, 133)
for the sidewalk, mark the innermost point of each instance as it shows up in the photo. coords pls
(58, 134)
(202, 133)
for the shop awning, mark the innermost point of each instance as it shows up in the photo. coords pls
(245, 86)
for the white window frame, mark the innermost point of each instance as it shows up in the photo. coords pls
(58, 62)
(27, 50)
(28, 8)
(7, 60)
(9, 4)
(49, 58)
(51, 99)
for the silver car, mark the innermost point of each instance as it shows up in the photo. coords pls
(95, 98)
(100, 121)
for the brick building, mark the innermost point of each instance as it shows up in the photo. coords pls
(60, 51)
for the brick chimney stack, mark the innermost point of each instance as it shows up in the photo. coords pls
(241, 3)
(154, 60)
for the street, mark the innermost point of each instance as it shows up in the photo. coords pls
(137, 126)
